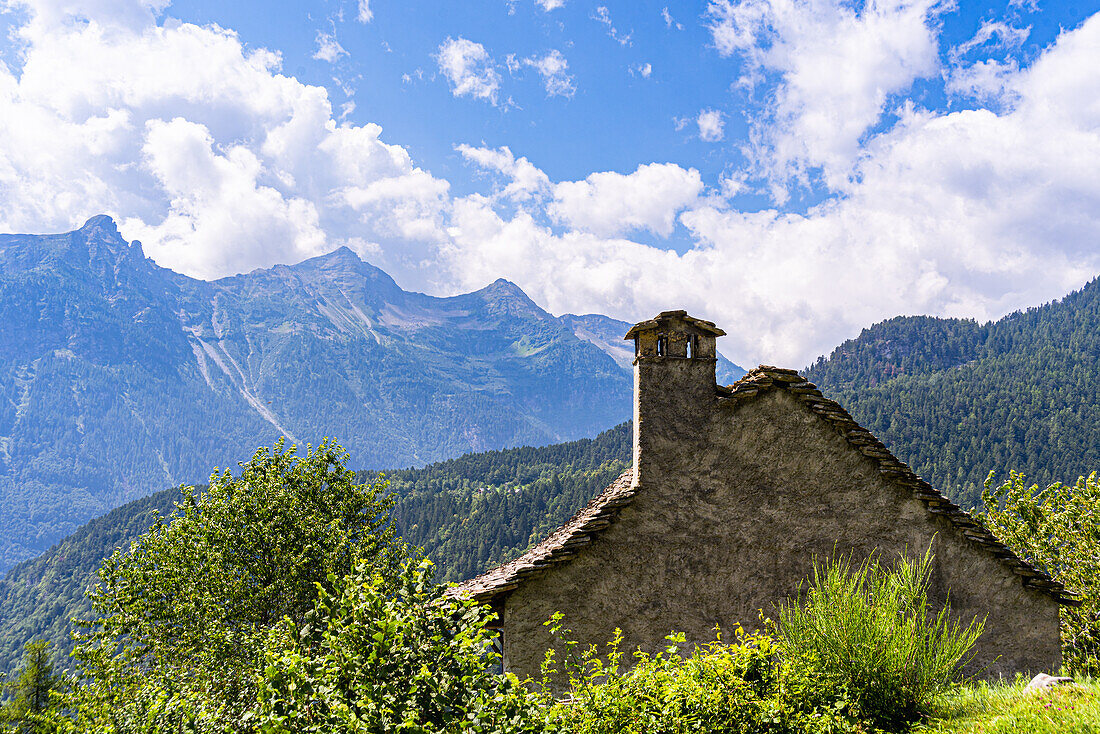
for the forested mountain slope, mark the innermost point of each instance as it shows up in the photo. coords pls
(956, 399)
(118, 377)
(467, 514)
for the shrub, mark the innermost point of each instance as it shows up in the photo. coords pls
(739, 688)
(378, 657)
(183, 613)
(868, 631)
(1058, 530)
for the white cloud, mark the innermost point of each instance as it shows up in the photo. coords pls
(973, 213)
(642, 70)
(603, 15)
(670, 22)
(553, 68)
(837, 65)
(525, 180)
(202, 149)
(549, 5)
(988, 80)
(221, 163)
(1007, 36)
(469, 69)
(609, 204)
(711, 126)
(328, 48)
(365, 14)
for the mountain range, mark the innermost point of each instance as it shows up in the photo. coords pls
(119, 378)
(953, 398)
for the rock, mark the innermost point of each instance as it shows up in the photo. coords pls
(1043, 683)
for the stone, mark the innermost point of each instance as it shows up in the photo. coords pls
(1043, 683)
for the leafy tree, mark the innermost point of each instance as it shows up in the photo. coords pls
(183, 615)
(378, 657)
(1058, 530)
(32, 692)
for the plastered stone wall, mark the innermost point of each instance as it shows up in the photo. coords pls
(734, 502)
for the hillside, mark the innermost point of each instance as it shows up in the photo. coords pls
(956, 399)
(467, 514)
(119, 378)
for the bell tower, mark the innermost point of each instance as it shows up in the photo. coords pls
(674, 389)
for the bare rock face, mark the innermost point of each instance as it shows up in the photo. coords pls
(1043, 683)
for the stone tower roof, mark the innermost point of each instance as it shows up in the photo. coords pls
(707, 327)
(603, 510)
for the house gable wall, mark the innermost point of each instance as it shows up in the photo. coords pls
(733, 502)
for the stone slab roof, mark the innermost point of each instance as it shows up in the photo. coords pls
(707, 327)
(567, 540)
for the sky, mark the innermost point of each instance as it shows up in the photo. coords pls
(794, 170)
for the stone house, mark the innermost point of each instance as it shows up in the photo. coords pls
(734, 491)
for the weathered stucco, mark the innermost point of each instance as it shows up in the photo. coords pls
(733, 500)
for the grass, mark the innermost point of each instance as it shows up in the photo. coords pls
(985, 708)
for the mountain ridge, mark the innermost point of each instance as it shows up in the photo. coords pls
(119, 377)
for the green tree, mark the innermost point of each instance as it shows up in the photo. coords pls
(183, 615)
(1058, 530)
(381, 657)
(31, 699)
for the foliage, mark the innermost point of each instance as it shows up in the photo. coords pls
(40, 597)
(871, 632)
(32, 695)
(474, 512)
(739, 688)
(1058, 530)
(1019, 393)
(468, 514)
(377, 657)
(861, 650)
(1003, 708)
(184, 614)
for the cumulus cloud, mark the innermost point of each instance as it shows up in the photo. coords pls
(642, 70)
(972, 213)
(202, 149)
(549, 5)
(221, 163)
(711, 125)
(553, 68)
(365, 14)
(469, 69)
(525, 180)
(836, 66)
(608, 204)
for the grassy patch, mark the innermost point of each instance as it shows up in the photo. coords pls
(1003, 708)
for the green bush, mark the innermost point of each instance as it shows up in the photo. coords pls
(1058, 530)
(868, 631)
(378, 657)
(184, 612)
(739, 688)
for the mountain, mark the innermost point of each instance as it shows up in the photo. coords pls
(467, 514)
(956, 399)
(119, 378)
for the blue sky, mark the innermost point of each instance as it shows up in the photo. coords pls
(792, 169)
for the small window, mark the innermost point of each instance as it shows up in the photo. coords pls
(497, 646)
(662, 345)
(691, 347)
